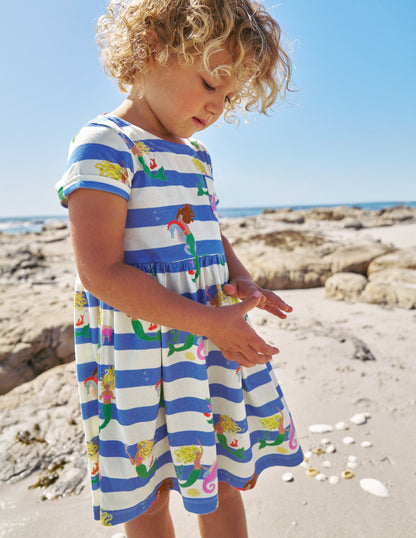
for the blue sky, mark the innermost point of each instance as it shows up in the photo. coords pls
(347, 136)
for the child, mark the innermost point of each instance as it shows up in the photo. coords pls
(185, 397)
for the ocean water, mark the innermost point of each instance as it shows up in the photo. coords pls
(17, 225)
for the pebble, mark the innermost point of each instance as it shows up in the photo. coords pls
(352, 465)
(321, 477)
(334, 480)
(307, 455)
(327, 464)
(366, 444)
(341, 426)
(320, 428)
(325, 441)
(304, 464)
(359, 418)
(371, 485)
(352, 458)
(330, 449)
(287, 477)
(348, 440)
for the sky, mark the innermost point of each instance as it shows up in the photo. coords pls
(347, 135)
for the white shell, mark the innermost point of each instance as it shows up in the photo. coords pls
(348, 440)
(320, 428)
(325, 441)
(304, 464)
(366, 444)
(359, 418)
(334, 480)
(371, 485)
(327, 464)
(341, 426)
(352, 465)
(287, 477)
(352, 458)
(321, 477)
(330, 449)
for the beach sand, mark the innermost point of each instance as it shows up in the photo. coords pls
(324, 383)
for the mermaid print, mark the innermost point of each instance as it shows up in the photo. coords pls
(107, 395)
(138, 149)
(190, 454)
(143, 451)
(272, 423)
(227, 424)
(184, 217)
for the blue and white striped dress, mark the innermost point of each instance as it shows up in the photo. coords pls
(163, 409)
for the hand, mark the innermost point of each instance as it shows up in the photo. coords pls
(243, 287)
(231, 333)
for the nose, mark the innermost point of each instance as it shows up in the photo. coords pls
(215, 104)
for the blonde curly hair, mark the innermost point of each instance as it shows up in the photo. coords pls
(189, 29)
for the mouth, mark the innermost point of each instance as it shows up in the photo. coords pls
(199, 122)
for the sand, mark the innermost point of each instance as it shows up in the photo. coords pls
(324, 384)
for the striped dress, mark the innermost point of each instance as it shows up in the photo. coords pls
(162, 408)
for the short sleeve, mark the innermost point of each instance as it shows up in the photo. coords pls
(99, 159)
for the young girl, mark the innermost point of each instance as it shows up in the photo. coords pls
(185, 396)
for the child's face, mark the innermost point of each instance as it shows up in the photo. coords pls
(179, 101)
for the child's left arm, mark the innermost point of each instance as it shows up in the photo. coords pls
(241, 285)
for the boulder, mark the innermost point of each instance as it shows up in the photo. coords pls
(345, 286)
(398, 259)
(355, 258)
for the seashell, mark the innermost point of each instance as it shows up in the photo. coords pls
(287, 477)
(352, 458)
(333, 480)
(319, 451)
(371, 485)
(366, 444)
(352, 465)
(321, 477)
(330, 449)
(312, 472)
(320, 428)
(359, 418)
(341, 426)
(307, 455)
(348, 440)
(304, 464)
(325, 441)
(347, 474)
(327, 464)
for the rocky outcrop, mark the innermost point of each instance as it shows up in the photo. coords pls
(36, 319)
(390, 280)
(41, 431)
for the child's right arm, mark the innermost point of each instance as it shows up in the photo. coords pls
(97, 222)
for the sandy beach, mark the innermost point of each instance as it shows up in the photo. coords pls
(337, 360)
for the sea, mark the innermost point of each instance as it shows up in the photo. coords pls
(35, 224)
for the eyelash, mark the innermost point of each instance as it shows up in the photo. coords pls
(212, 89)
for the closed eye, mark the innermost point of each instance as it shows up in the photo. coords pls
(207, 86)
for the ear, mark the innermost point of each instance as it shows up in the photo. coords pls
(152, 40)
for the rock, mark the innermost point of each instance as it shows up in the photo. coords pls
(320, 428)
(359, 418)
(287, 477)
(355, 258)
(399, 259)
(352, 223)
(395, 287)
(41, 430)
(348, 440)
(345, 286)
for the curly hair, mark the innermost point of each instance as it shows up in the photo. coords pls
(189, 29)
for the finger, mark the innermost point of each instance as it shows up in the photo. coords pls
(230, 290)
(276, 301)
(251, 302)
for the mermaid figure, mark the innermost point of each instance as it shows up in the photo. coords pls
(144, 449)
(185, 216)
(227, 424)
(274, 422)
(107, 395)
(190, 454)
